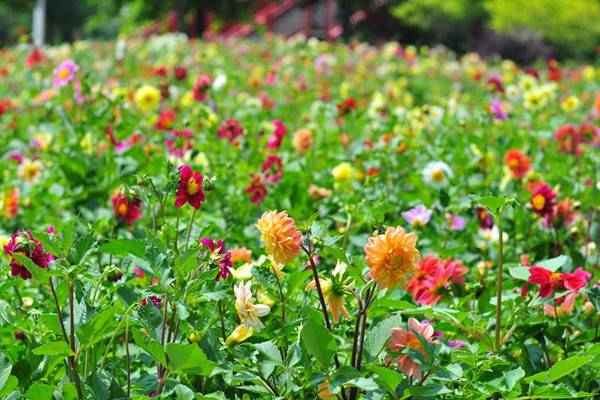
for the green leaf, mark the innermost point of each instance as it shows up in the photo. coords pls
(560, 369)
(50, 245)
(98, 327)
(40, 273)
(189, 359)
(183, 392)
(269, 350)
(81, 248)
(39, 391)
(388, 378)
(428, 391)
(186, 262)
(61, 349)
(150, 346)
(5, 369)
(521, 273)
(11, 383)
(123, 247)
(319, 342)
(378, 336)
(553, 264)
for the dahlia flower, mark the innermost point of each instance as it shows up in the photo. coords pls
(279, 234)
(246, 309)
(190, 188)
(391, 257)
(23, 243)
(64, 73)
(126, 206)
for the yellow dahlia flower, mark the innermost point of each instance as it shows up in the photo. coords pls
(147, 98)
(391, 257)
(279, 234)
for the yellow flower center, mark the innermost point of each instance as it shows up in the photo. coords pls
(437, 175)
(538, 202)
(555, 276)
(513, 163)
(191, 188)
(63, 73)
(122, 209)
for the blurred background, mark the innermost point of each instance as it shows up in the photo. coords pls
(523, 30)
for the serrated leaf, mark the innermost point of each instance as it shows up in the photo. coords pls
(189, 359)
(378, 336)
(59, 349)
(123, 247)
(319, 342)
(150, 346)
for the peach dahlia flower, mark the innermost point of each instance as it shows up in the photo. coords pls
(281, 238)
(391, 257)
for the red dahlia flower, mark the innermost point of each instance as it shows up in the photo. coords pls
(272, 169)
(256, 189)
(570, 140)
(548, 280)
(126, 207)
(35, 57)
(518, 163)
(230, 130)
(23, 243)
(180, 73)
(276, 138)
(166, 119)
(542, 201)
(190, 188)
(432, 278)
(346, 106)
(201, 87)
(484, 217)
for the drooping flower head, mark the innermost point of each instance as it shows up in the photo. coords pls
(282, 240)
(418, 217)
(190, 188)
(542, 201)
(219, 256)
(23, 243)
(64, 73)
(484, 217)
(147, 98)
(518, 163)
(391, 257)
(126, 206)
(436, 174)
(334, 291)
(246, 309)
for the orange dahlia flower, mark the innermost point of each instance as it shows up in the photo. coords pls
(391, 257)
(281, 238)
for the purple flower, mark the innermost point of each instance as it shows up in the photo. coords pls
(456, 222)
(219, 256)
(458, 344)
(498, 110)
(64, 73)
(418, 216)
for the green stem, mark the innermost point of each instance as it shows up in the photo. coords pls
(499, 284)
(72, 332)
(189, 233)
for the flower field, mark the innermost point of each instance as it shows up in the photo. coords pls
(295, 219)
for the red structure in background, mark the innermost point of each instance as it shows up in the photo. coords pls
(287, 18)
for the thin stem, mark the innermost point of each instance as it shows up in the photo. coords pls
(128, 356)
(159, 367)
(72, 332)
(499, 284)
(177, 233)
(361, 319)
(220, 307)
(189, 233)
(313, 267)
(282, 298)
